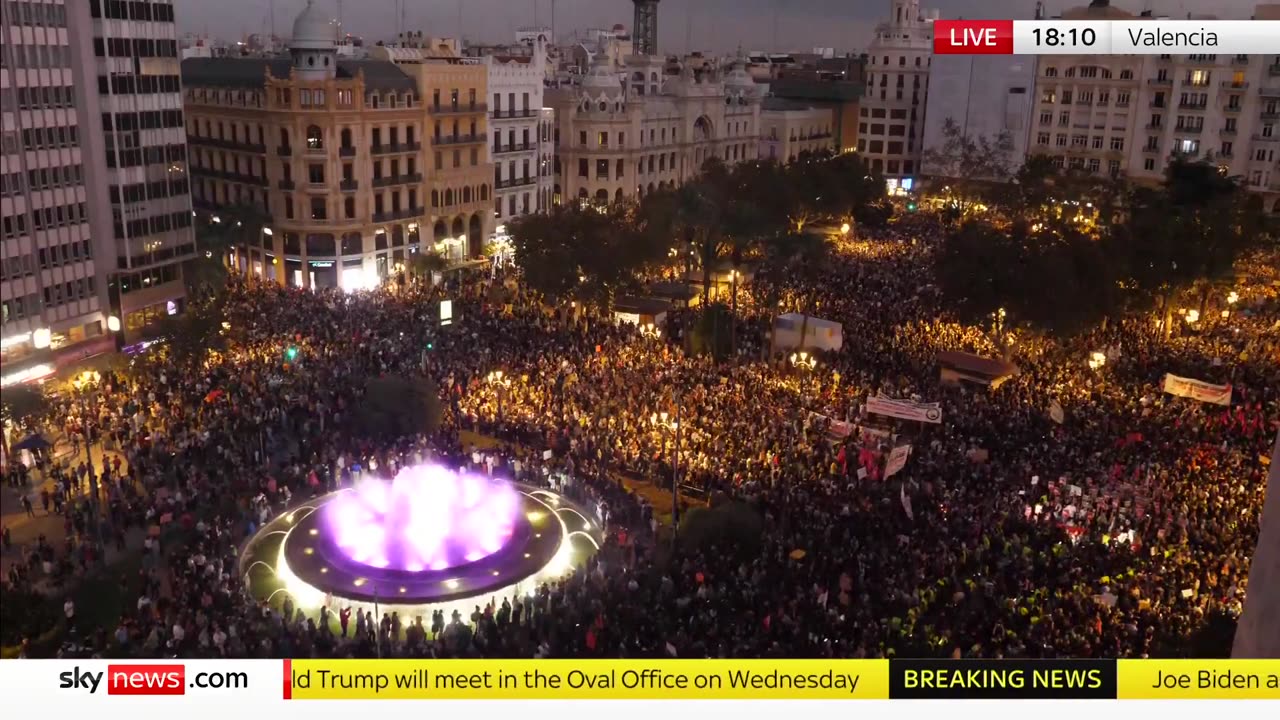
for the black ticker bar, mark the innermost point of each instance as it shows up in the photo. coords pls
(992, 679)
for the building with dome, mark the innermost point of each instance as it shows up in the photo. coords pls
(891, 115)
(628, 129)
(358, 163)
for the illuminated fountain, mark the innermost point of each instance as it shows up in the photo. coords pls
(429, 536)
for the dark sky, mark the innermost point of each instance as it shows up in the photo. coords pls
(716, 25)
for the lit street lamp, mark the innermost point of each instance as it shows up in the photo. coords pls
(1097, 360)
(502, 383)
(669, 425)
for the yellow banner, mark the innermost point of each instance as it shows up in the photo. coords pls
(1198, 679)
(590, 679)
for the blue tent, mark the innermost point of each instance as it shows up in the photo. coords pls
(34, 441)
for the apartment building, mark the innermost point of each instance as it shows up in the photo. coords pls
(521, 134)
(789, 129)
(897, 86)
(358, 163)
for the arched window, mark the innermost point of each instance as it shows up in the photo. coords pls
(582, 193)
(604, 106)
(315, 139)
(435, 198)
(466, 194)
(602, 196)
(617, 197)
(440, 231)
(484, 192)
(448, 197)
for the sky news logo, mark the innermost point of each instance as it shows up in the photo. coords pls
(148, 680)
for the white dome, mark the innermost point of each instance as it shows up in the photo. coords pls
(312, 30)
(738, 78)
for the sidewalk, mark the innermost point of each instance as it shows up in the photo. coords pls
(25, 530)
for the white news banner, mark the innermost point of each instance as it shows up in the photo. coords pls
(1146, 37)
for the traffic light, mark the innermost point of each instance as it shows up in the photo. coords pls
(291, 353)
(431, 345)
(911, 207)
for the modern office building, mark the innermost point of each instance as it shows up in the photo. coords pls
(789, 129)
(893, 107)
(56, 252)
(139, 104)
(358, 163)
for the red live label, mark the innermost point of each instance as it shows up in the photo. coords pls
(973, 37)
(146, 679)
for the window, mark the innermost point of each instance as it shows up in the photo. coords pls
(315, 140)
(1096, 142)
(583, 168)
(318, 210)
(349, 208)
(1113, 167)
(1149, 164)
(1226, 149)
(1117, 143)
(1188, 146)
(315, 174)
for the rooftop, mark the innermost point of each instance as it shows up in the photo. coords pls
(252, 72)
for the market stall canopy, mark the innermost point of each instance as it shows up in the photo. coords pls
(34, 441)
(957, 367)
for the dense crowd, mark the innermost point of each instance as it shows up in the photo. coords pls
(1126, 529)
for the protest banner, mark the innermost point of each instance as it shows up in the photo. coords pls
(897, 459)
(905, 409)
(1197, 389)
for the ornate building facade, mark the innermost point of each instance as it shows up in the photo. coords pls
(628, 130)
(358, 163)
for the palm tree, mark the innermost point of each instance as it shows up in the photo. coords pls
(220, 234)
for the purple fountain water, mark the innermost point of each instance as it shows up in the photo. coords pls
(427, 518)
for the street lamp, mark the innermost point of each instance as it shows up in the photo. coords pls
(804, 360)
(1192, 316)
(1097, 360)
(498, 380)
(650, 330)
(845, 228)
(668, 425)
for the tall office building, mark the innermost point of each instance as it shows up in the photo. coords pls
(144, 151)
(54, 254)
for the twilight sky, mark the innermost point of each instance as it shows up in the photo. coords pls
(715, 25)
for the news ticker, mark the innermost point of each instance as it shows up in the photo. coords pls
(1105, 37)
(274, 680)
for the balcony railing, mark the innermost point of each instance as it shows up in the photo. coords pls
(1233, 85)
(399, 214)
(397, 180)
(349, 185)
(284, 151)
(514, 113)
(1231, 109)
(1188, 130)
(346, 152)
(227, 144)
(519, 147)
(459, 109)
(230, 176)
(1227, 132)
(461, 139)
(1192, 106)
(1274, 69)
(1160, 81)
(1269, 91)
(286, 185)
(395, 148)
(516, 182)
(1270, 115)
(1150, 148)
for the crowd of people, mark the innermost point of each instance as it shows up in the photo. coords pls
(1123, 527)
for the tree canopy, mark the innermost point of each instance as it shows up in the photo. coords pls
(395, 406)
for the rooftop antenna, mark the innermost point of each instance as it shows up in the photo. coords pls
(271, 11)
(1040, 10)
(688, 29)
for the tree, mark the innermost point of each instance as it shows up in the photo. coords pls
(585, 252)
(190, 337)
(968, 162)
(1188, 232)
(395, 406)
(1047, 277)
(424, 265)
(793, 260)
(218, 235)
